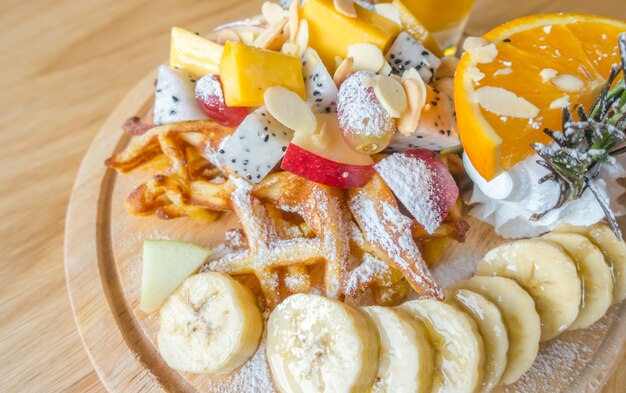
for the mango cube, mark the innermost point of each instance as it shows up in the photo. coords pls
(330, 33)
(246, 73)
(194, 54)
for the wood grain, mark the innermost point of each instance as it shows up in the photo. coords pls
(66, 64)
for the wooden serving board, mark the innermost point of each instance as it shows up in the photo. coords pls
(103, 265)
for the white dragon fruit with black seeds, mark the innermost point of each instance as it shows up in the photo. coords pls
(257, 145)
(321, 91)
(436, 129)
(175, 97)
(407, 53)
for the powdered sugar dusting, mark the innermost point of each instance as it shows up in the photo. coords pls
(403, 173)
(209, 88)
(393, 235)
(359, 111)
(253, 377)
(370, 270)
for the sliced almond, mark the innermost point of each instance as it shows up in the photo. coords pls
(227, 35)
(272, 12)
(505, 103)
(474, 73)
(272, 38)
(567, 82)
(289, 109)
(484, 54)
(559, 103)
(345, 7)
(412, 74)
(290, 49)
(547, 74)
(343, 71)
(338, 61)
(302, 37)
(386, 70)
(447, 67)
(247, 36)
(294, 20)
(472, 43)
(367, 57)
(408, 122)
(389, 11)
(391, 95)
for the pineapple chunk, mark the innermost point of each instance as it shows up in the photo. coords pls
(194, 54)
(330, 32)
(246, 73)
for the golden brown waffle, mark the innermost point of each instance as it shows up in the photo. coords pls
(267, 252)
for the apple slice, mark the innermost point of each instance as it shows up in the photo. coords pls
(324, 157)
(422, 183)
(166, 264)
(210, 98)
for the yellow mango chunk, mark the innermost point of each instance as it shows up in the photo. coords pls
(246, 73)
(330, 33)
(194, 54)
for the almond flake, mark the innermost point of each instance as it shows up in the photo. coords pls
(338, 61)
(503, 71)
(447, 68)
(272, 12)
(484, 54)
(273, 37)
(389, 11)
(408, 122)
(505, 103)
(227, 35)
(367, 57)
(391, 95)
(412, 74)
(294, 20)
(344, 69)
(321, 138)
(567, 82)
(289, 109)
(559, 103)
(472, 43)
(345, 7)
(386, 70)
(290, 49)
(547, 74)
(474, 73)
(247, 36)
(302, 37)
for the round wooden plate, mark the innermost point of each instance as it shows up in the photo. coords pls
(103, 267)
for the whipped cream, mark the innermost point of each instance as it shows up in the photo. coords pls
(509, 201)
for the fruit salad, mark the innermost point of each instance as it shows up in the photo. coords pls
(344, 143)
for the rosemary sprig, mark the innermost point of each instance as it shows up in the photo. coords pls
(579, 151)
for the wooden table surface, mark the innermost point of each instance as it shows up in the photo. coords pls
(64, 65)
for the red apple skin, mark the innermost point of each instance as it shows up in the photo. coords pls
(446, 183)
(216, 109)
(321, 170)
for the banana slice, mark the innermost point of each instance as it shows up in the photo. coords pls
(520, 318)
(316, 344)
(614, 251)
(406, 355)
(595, 275)
(546, 272)
(459, 352)
(491, 327)
(211, 324)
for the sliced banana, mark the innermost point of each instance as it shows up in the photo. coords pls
(406, 355)
(595, 276)
(520, 318)
(491, 327)
(614, 251)
(459, 352)
(211, 324)
(546, 272)
(316, 344)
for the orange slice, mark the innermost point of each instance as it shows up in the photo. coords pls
(543, 62)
